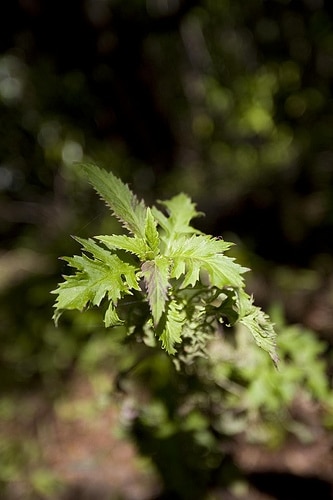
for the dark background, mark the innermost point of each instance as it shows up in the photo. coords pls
(228, 101)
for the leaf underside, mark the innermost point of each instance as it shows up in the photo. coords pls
(156, 277)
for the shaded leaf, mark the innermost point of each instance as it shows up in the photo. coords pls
(259, 325)
(172, 328)
(156, 277)
(111, 318)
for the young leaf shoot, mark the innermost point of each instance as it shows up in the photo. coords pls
(173, 268)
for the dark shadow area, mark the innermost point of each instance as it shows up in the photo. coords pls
(290, 486)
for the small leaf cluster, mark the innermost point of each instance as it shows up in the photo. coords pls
(189, 283)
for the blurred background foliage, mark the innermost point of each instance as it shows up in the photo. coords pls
(228, 101)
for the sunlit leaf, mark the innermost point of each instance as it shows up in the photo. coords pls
(151, 234)
(124, 204)
(181, 210)
(104, 274)
(197, 252)
(179, 266)
(134, 245)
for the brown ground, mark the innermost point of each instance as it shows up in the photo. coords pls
(80, 446)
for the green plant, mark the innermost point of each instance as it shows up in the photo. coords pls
(164, 280)
(170, 291)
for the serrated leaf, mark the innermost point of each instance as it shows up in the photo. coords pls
(263, 332)
(187, 252)
(92, 275)
(94, 279)
(161, 219)
(172, 327)
(111, 318)
(156, 277)
(181, 210)
(224, 271)
(116, 265)
(94, 249)
(229, 307)
(259, 324)
(134, 245)
(72, 294)
(190, 255)
(151, 233)
(124, 204)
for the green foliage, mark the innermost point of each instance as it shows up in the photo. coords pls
(235, 395)
(191, 286)
(258, 399)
